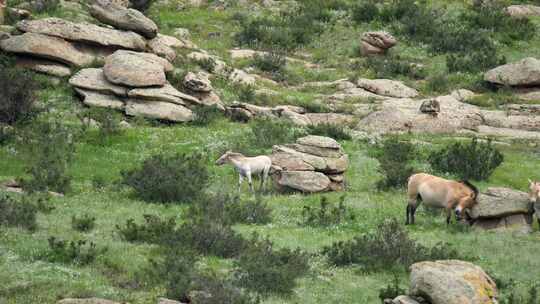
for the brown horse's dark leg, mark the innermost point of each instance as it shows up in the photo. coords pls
(408, 212)
(448, 215)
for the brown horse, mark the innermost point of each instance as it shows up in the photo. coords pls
(440, 193)
(534, 197)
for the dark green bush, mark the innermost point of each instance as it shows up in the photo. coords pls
(50, 147)
(17, 213)
(474, 61)
(394, 158)
(365, 11)
(84, 223)
(389, 247)
(263, 269)
(17, 95)
(246, 93)
(45, 6)
(392, 290)
(166, 179)
(272, 62)
(474, 160)
(206, 115)
(109, 122)
(79, 252)
(331, 130)
(231, 209)
(394, 65)
(327, 214)
(154, 230)
(210, 288)
(266, 132)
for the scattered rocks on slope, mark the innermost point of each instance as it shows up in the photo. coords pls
(386, 87)
(523, 10)
(123, 18)
(452, 282)
(376, 43)
(134, 69)
(525, 72)
(502, 209)
(312, 164)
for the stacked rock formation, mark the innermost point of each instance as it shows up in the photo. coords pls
(312, 164)
(503, 209)
(376, 43)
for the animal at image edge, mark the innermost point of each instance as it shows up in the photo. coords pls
(534, 197)
(247, 167)
(439, 193)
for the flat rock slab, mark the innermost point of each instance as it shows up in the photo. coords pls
(86, 301)
(44, 66)
(500, 202)
(452, 282)
(96, 99)
(523, 10)
(517, 222)
(525, 72)
(123, 18)
(158, 110)
(305, 181)
(289, 162)
(135, 69)
(322, 164)
(84, 32)
(319, 141)
(94, 79)
(160, 47)
(166, 93)
(386, 87)
(47, 47)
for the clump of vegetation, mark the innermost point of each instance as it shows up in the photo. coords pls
(246, 93)
(154, 230)
(17, 95)
(494, 100)
(108, 122)
(365, 11)
(15, 213)
(263, 269)
(45, 6)
(271, 62)
(51, 149)
(166, 179)
(394, 65)
(206, 115)
(79, 252)
(394, 158)
(327, 214)
(474, 160)
(388, 247)
(509, 293)
(231, 209)
(392, 290)
(84, 223)
(331, 130)
(266, 132)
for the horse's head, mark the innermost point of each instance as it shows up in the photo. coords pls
(224, 158)
(468, 200)
(534, 191)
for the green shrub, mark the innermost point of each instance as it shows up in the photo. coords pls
(389, 247)
(154, 230)
(394, 158)
(210, 288)
(84, 223)
(17, 213)
(166, 179)
(79, 252)
(45, 6)
(365, 11)
(331, 130)
(266, 132)
(394, 65)
(17, 95)
(109, 121)
(51, 149)
(204, 116)
(207, 64)
(474, 160)
(327, 214)
(392, 290)
(474, 61)
(263, 269)
(272, 62)
(246, 93)
(231, 209)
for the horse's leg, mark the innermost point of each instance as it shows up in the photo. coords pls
(265, 177)
(262, 181)
(448, 215)
(411, 206)
(240, 180)
(250, 181)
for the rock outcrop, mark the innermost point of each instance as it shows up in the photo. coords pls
(386, 87)
(135, 69)
(86, 301)
(523, 10)
(525, 72)
(376, 43)
(312, 164)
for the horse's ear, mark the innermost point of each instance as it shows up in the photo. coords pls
(531, 182)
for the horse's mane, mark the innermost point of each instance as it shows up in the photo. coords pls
(236, 154)
(471, 186)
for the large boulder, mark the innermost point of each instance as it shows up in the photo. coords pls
(376, 43)
(523, 10)
(43, 66)
(96, 99)
(158, 110)
(123, 18)
(161, 46)
(135, 69)
(47, 47)
(84, 32)
(499, 202)
(452, 282)
(304, 181)
(386, 87)
(525, 72)
(94, 79)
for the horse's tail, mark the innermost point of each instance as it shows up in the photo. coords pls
(472, 187)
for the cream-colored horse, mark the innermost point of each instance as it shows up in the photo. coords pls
(534, 197)
(247, 166)
(440, 193)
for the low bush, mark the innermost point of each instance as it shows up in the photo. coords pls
(389, 247)
(79, 252)
(154, 230)
(15, 213)
(84, 223)
(108, 121)
(510, 293)
(475, 61)
(474, 160)
(394, 65)
(50, 147)
(167, 179)
(264, 269)
(394, 158)
(392, 290)
(206, 115)
(364, 12)
(331, 130)
(17, 95)
(327, 214)
(246, 93)
(271, 62)
(210, 288)
(266, 132)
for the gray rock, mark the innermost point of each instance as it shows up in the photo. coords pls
(158, 110)
(135, 69)
(376, 43)
(197, 82)
(86, 301)
(47, 47)
(166, 93)
(84, 32)
(386, 87)
(160, 46)
(525, 72)
(499, 202)
(305, 181)
(319, 141)
(404, 300)
(452, 282)
(123, 18)
(523, 10)
(94, 79)
(289, 162)
(44, 66)
(430, 106)
(96, 99)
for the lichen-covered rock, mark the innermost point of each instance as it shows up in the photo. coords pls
(523, 10)
(44, 66)
(166, 93)
(304, 181)
(158, 110)
(386, 87)
(94, 79)
(525, 72)
(123, 18)
(499, 202)
(135, 69)
(96, 99)
(376, 43)
(197, 82)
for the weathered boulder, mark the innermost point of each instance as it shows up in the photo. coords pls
(452, 282)
(123, 18)
(290, 162)
(160, 47)
(323, 164)
(166, 93)
(47, 47)
(523, 10)
(330, 118)
(84, 32)
(376, 43)
(430, 106)
(197, 82)
(158, 110)
(93, 79)
(500, 202)
(319, 141)
(241, 77)
(304, 181)
(44, 66)
(386, 87)
(86, 301)
(96, 99)
(135, 69)
(525, 72)
(219, 66)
